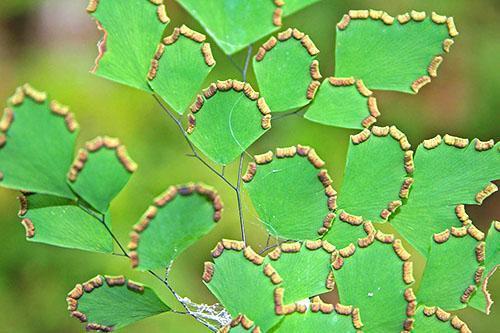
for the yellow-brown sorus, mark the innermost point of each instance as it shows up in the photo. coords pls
(277, 17)
(79, 315)
(372, 107)
(368, 121)
(358, 14)
(217, 250)
(92, 6)
(433, 142)
(461, 214)
(191, 34)
(400, 250)
(275, 254)
(7, 119)
(252, 256)
(208, 271)
(325, 178)
(290, 247)
(196, 106)
(266, 122)
(285, 35)
(366, 241)
(387, 19)
(72, 304)
(161, 11)
(327, 246)
(250, 173)
(29, 227)
(313, 245)
(271, 273)
(484, 145)
(411, 308)
(408, 324)
(315, 160)
(429, 310)
(404, 18)
(76, 292)
(286, 152)
(384, 238)
(224, 85)
(455, 141)
(361, 136)
(380, 131)
(459, 232)
(418, 16)
(112, 281)
(351, 219)
(409, 295)
(210, 91)
(363, 90)
(408, 160)
(206, 51)
(338, 262)
(191, 123)
(93, 283)
(344, 22)
(341, 81)
(312, 88)
(250, 92)
(478, 275)
(23, 205)
(408, 272)
(264, 158)
(314, 70)
(376, 14)
(420, 82)
(135, 286)
(347, 251)
(262, 105)
(434, 65)
(442, 236)
(475, 233)
(480, 251)
(452, 29)
(447, 43)
(345, 310)
(467, 293)
(309, 45)
(438, 19)
(486, 192)
(356, 318)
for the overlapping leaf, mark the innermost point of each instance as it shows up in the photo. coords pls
(178, 218)
(292, 6)
(234, 24)
(227, 120)
(449, 271)
(100, 171)
(388, 53)
(435, 320)
(131, 32)
(36, 144)
(290, 193)
(112, 302)
(445, 177)
(181, 64)
(287, 84)
(347, 229)
(58, 221)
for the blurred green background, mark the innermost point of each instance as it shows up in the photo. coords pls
(51, 44)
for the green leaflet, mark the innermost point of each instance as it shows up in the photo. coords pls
(450, 269)
(291, 195)
(389, 55)
(305, 270)
(375, 172)
(445, 178)
(343, 102)
(372, 279)
(347, 229)
(287, 84)
(180, 66)
(172, 224)
(435, 320)
(292, 6)
(227, 120)
(36, 144)
(234, 274)
(100, 171)
(60, 222)
(315, 322)
(481, 300)
(113, 302)
(131, 31)
(234, 24)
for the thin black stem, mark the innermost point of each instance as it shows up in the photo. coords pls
(238, 197)
(191, 146)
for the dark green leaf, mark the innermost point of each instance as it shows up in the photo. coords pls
(177, 219)
(57, 221)
(389, 55)
(450, 269)
(112, 302)
(180, 66)
(445, 178)
(227, 120)
(37, 139)
(234, 24)
(100, 171)
(287, 84)
(131, 31)
(291, 195)
(343, 102)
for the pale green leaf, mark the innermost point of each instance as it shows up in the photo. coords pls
(305, 273)
(228, 122)
(449, 271)
(288, 194)
(233, 24)
(372, 280)
(100, 171)
(340, 103)
(481, 300)
(283, 70)
(431, 323)
(388, 55)
(374, 174)
(178, 218)
(241, 286)
(36, 144)
(60, 222)
(181, 64)
(113, 302)
(445, 177)
(131, 32)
